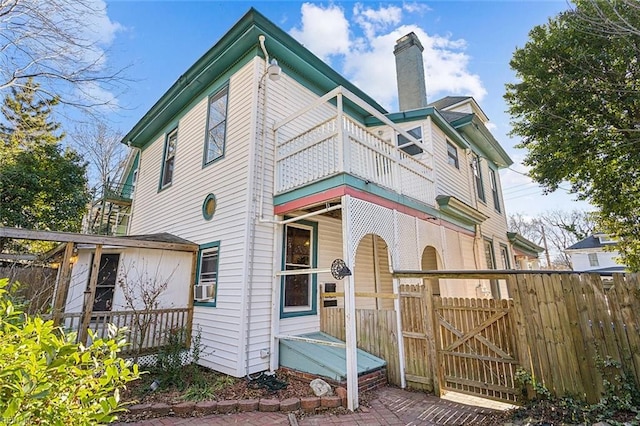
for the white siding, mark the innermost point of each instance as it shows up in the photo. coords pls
(606, 259)
(141, 268)
(449, 179)
(178, 210)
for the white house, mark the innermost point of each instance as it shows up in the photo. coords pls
(277, 169)
(594, 254)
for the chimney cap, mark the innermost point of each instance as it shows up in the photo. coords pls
(407, 41)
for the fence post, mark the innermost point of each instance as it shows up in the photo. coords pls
(430, 325)
(90, 295)
(523, 354)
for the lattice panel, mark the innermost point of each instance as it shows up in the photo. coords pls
(367, 218)
(409, 255)
(429, 235)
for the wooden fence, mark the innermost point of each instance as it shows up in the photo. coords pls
(569, 325)
(377, 334)
(146, 331)
(568, 331)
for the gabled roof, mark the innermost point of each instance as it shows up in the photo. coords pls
(589, 243)
(239, 45)
(452, 116)
(448, 101)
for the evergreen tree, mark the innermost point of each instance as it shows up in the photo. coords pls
(42, 185)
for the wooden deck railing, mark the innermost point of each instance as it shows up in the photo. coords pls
(321, 141)
(145, 330)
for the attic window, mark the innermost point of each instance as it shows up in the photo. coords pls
(408, 146)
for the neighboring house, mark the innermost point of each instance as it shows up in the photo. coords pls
(275, 170)
(594, 254)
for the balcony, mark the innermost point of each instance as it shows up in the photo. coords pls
(321, 141)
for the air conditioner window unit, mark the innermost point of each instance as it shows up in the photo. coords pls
(204, 292)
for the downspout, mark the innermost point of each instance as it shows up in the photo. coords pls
(253, 222)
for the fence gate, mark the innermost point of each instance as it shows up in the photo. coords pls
(475, 347)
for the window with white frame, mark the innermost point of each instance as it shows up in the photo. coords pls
(504, 256)
(408, 146)
(298, 295)
(216, 126)
(207, 280)
(494, 189)
(477, 175)
(169, 157)
(593, 259)
(452, 155)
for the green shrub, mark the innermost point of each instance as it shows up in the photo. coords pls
(47, 379)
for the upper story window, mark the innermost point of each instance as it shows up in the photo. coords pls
(593, 259)
(409, 147)
(477, 175)
(168, 159)
(216, 126)
(504, 257)
(452, 155)
(494, 189)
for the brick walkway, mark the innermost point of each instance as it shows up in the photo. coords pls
(390, 406)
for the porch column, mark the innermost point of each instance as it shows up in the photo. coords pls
(349, 310)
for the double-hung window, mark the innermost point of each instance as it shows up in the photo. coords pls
(452, 155)
(298, 290)
(593, 259)
(207, 284)
(216, 126)
(169, 158)
(477, 175)
(494, 189)
(490, 257)
(408, 146)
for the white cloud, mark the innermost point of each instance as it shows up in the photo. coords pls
(325, 31)
(368, 60)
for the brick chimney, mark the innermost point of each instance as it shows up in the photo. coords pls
(412, 90)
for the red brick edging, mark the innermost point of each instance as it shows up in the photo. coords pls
(188, 409)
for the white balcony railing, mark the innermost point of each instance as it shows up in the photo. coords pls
(320, 141)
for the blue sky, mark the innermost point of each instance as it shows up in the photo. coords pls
(468, 45)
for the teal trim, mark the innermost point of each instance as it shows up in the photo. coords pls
(209, 197)
(483, 140)
(238, 46)
(201, 249)
(314, 264)
(344, 179)
(161, 184)
(127, 188)
(222, 88)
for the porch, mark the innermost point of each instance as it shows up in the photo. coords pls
(322, 140)
(149, 325)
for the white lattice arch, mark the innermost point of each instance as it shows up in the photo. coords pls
(368, 218)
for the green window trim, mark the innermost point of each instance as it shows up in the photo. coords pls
(168, 159)
(494, 190)
(477, 175)
(313, 307)
(216, 131)
(207, 249)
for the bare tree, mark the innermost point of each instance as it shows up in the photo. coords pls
(61, 44)
(619, 17)
(101, 147)
(142, 289)
(561, 229)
